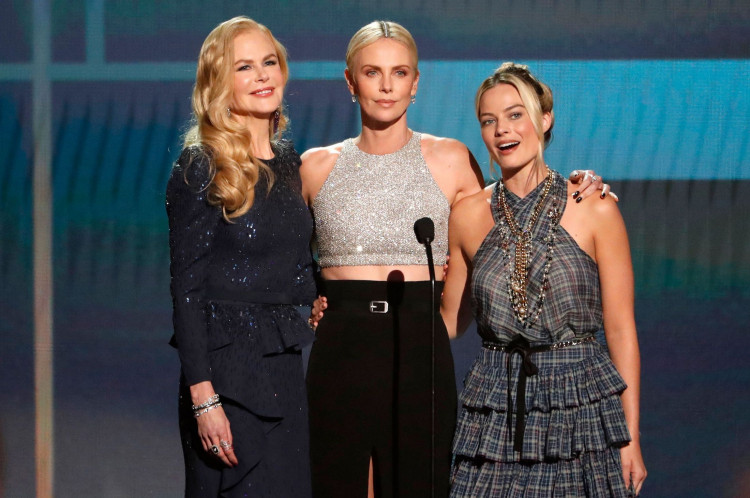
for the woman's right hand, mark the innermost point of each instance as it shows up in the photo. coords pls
(319, 305)
(633, 468)
(213, 425)
(213, 429)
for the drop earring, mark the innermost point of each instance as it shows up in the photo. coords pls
(276, 118)
(229, 113)
(414, 99)
(354, 98)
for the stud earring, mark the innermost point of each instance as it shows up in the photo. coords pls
(414, 99)
(354, 98)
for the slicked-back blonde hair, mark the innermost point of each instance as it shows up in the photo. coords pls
(370, 33)
(234, 168)
(535, 95)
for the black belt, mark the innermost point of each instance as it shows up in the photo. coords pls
(521, 345)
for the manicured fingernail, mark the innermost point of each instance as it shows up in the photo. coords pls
(579, 199)
(575, 194)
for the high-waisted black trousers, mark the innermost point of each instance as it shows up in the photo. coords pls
(369, 390)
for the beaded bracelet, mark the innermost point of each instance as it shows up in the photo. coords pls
(198, 413)
(210, 401)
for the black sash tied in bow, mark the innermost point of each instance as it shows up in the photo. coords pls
(519, 345)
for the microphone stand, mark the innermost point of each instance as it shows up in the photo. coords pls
(428, 248)
(424, 229)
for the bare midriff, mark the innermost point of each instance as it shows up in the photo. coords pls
(411, 273)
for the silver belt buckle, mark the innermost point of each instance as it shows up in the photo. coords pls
(378, 306)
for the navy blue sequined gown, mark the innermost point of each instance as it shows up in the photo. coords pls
(236, 288)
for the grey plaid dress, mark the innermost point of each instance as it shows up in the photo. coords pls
(574, 422)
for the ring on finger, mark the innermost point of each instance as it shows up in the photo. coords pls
(225, 444)
(214, 449)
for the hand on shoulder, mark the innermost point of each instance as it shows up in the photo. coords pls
(591, 206)
(589, 183)
(592, 221)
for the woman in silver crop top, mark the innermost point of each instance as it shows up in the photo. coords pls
(369, 372)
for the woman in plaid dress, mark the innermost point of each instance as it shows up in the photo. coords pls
(546, 411)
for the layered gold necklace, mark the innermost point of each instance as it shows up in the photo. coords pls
(518, 278)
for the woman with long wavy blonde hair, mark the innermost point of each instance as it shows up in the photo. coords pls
(237, 168)
(241, 266)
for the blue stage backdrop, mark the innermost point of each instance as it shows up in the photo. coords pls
(653, 95)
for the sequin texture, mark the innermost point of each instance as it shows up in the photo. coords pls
(264, 251)
(236, 287)
(366, 209)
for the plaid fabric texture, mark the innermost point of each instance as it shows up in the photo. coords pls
(574, 418)
(572, 306)
(593, 474)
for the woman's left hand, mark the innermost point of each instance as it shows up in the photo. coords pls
(633, 468)
(590, 184)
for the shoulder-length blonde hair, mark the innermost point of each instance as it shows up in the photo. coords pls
(535, 95)
(234, 168)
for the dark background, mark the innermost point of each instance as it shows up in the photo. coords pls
(653, 95)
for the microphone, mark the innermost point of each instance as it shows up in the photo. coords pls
(424, 229)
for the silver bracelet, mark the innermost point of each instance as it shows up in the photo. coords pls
(198, 413)
(210, 401)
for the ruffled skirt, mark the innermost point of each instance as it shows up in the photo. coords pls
(575, 426)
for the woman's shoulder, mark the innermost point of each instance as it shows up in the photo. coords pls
(285, 146)
(286, 152)
(322, 157)
(443, 145)
(192, 168)
(194, 155)
(453, 166)
(471, 205)
(452, 157)
(592, 208)
(317, 164)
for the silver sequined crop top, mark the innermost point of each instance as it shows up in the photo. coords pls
(366, 209)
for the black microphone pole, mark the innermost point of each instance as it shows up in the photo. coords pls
(424, 228)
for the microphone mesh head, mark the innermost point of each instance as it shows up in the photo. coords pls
(424, 228)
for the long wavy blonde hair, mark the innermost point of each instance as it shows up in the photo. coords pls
(234, 168)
